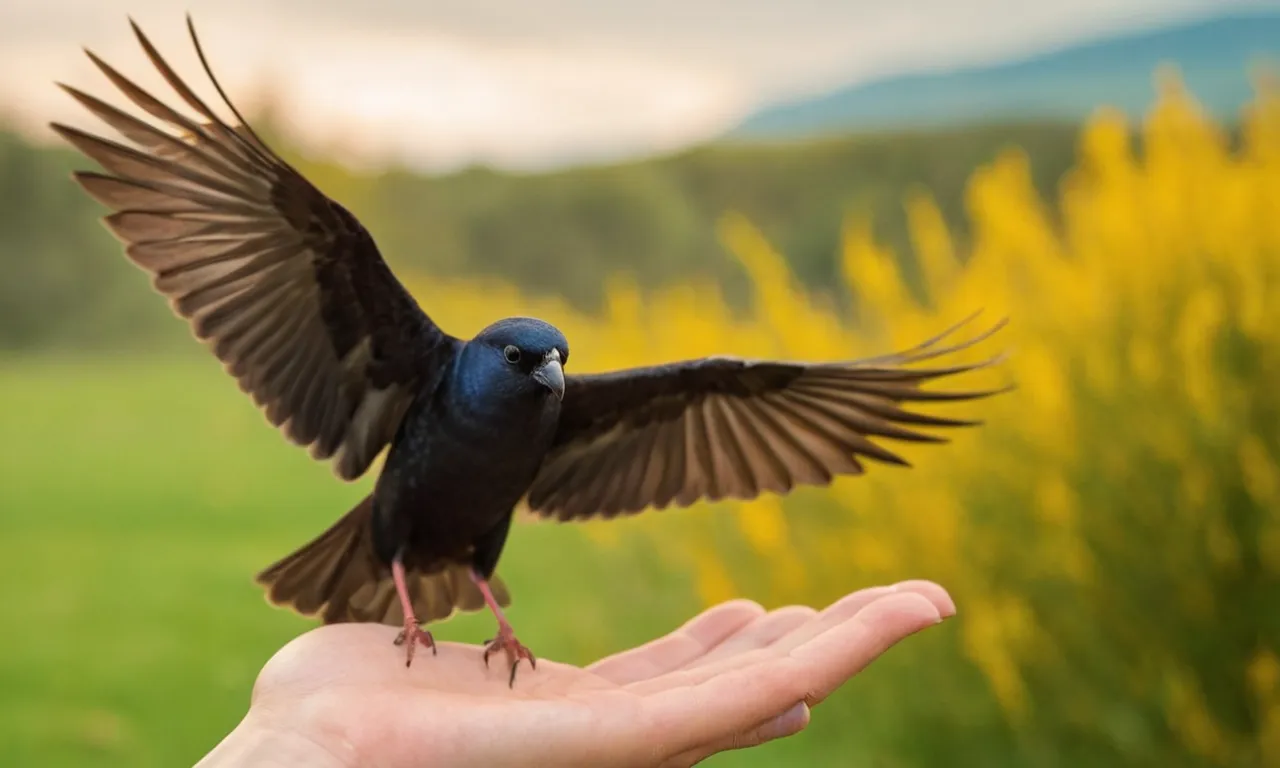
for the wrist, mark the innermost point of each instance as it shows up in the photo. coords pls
(257, 742)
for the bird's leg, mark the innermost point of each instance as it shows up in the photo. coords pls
(412, 631)
(506, 639)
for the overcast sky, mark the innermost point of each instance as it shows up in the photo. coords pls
(531, 83)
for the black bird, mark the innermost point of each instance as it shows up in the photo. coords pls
(290, 292)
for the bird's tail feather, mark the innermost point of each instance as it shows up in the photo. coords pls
(338, 576)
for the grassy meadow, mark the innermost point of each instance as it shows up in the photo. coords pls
(139, 499)
(1111, 534)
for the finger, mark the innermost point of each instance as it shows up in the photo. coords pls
(837, 612)
(818, 626)
(833, 657)
(933, 592)
(719, 627)
(796, 634)
(721, 705)
(761, 632)
(851, 604)
(699, 635)
(789, 723)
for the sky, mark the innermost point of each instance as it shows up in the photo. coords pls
(528, 84)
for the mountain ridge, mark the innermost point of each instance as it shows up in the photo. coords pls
(1214, 56)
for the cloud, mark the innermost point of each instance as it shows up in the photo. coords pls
(433, 98)
(529, 84)
(430, 97)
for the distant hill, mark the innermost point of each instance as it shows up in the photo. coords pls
(1214, 56)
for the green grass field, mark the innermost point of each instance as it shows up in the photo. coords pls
(138, 498)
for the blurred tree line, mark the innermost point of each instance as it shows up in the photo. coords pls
(560, 234)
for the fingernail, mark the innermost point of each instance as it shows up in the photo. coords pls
(792, 721)
(935, 593)
(894, 607)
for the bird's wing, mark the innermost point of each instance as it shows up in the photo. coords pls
(728, 428)
(282, 283)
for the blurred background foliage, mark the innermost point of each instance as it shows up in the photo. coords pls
(1110, 535)
(560, 234)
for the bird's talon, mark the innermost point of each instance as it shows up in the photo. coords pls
(506, 641)
(419, 635)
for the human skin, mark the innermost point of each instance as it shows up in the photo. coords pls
(733, 677)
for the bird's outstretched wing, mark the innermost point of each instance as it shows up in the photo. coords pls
(728, 428)
(282, 283)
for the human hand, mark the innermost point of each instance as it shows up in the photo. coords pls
(734, 676)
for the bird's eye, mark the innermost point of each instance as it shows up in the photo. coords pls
(512, 353)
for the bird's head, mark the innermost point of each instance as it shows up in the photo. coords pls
(534, 351)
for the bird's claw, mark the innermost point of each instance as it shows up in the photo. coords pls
(506, 641)
(419, 635)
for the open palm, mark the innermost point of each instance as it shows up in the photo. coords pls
(735, 676)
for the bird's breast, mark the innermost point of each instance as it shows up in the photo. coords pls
(454, 473)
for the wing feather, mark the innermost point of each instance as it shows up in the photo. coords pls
(282, 284)
(728, 428)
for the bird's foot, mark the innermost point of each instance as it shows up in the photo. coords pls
(414, 634)
(506, 641)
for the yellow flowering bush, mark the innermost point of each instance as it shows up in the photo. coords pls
(1111, 533)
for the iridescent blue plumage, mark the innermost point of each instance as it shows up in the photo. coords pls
(470, 449)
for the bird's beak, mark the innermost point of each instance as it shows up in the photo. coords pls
(550, 375)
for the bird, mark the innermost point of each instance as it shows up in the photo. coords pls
(289, 291)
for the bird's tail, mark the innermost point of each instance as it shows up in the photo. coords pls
(339, 577)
